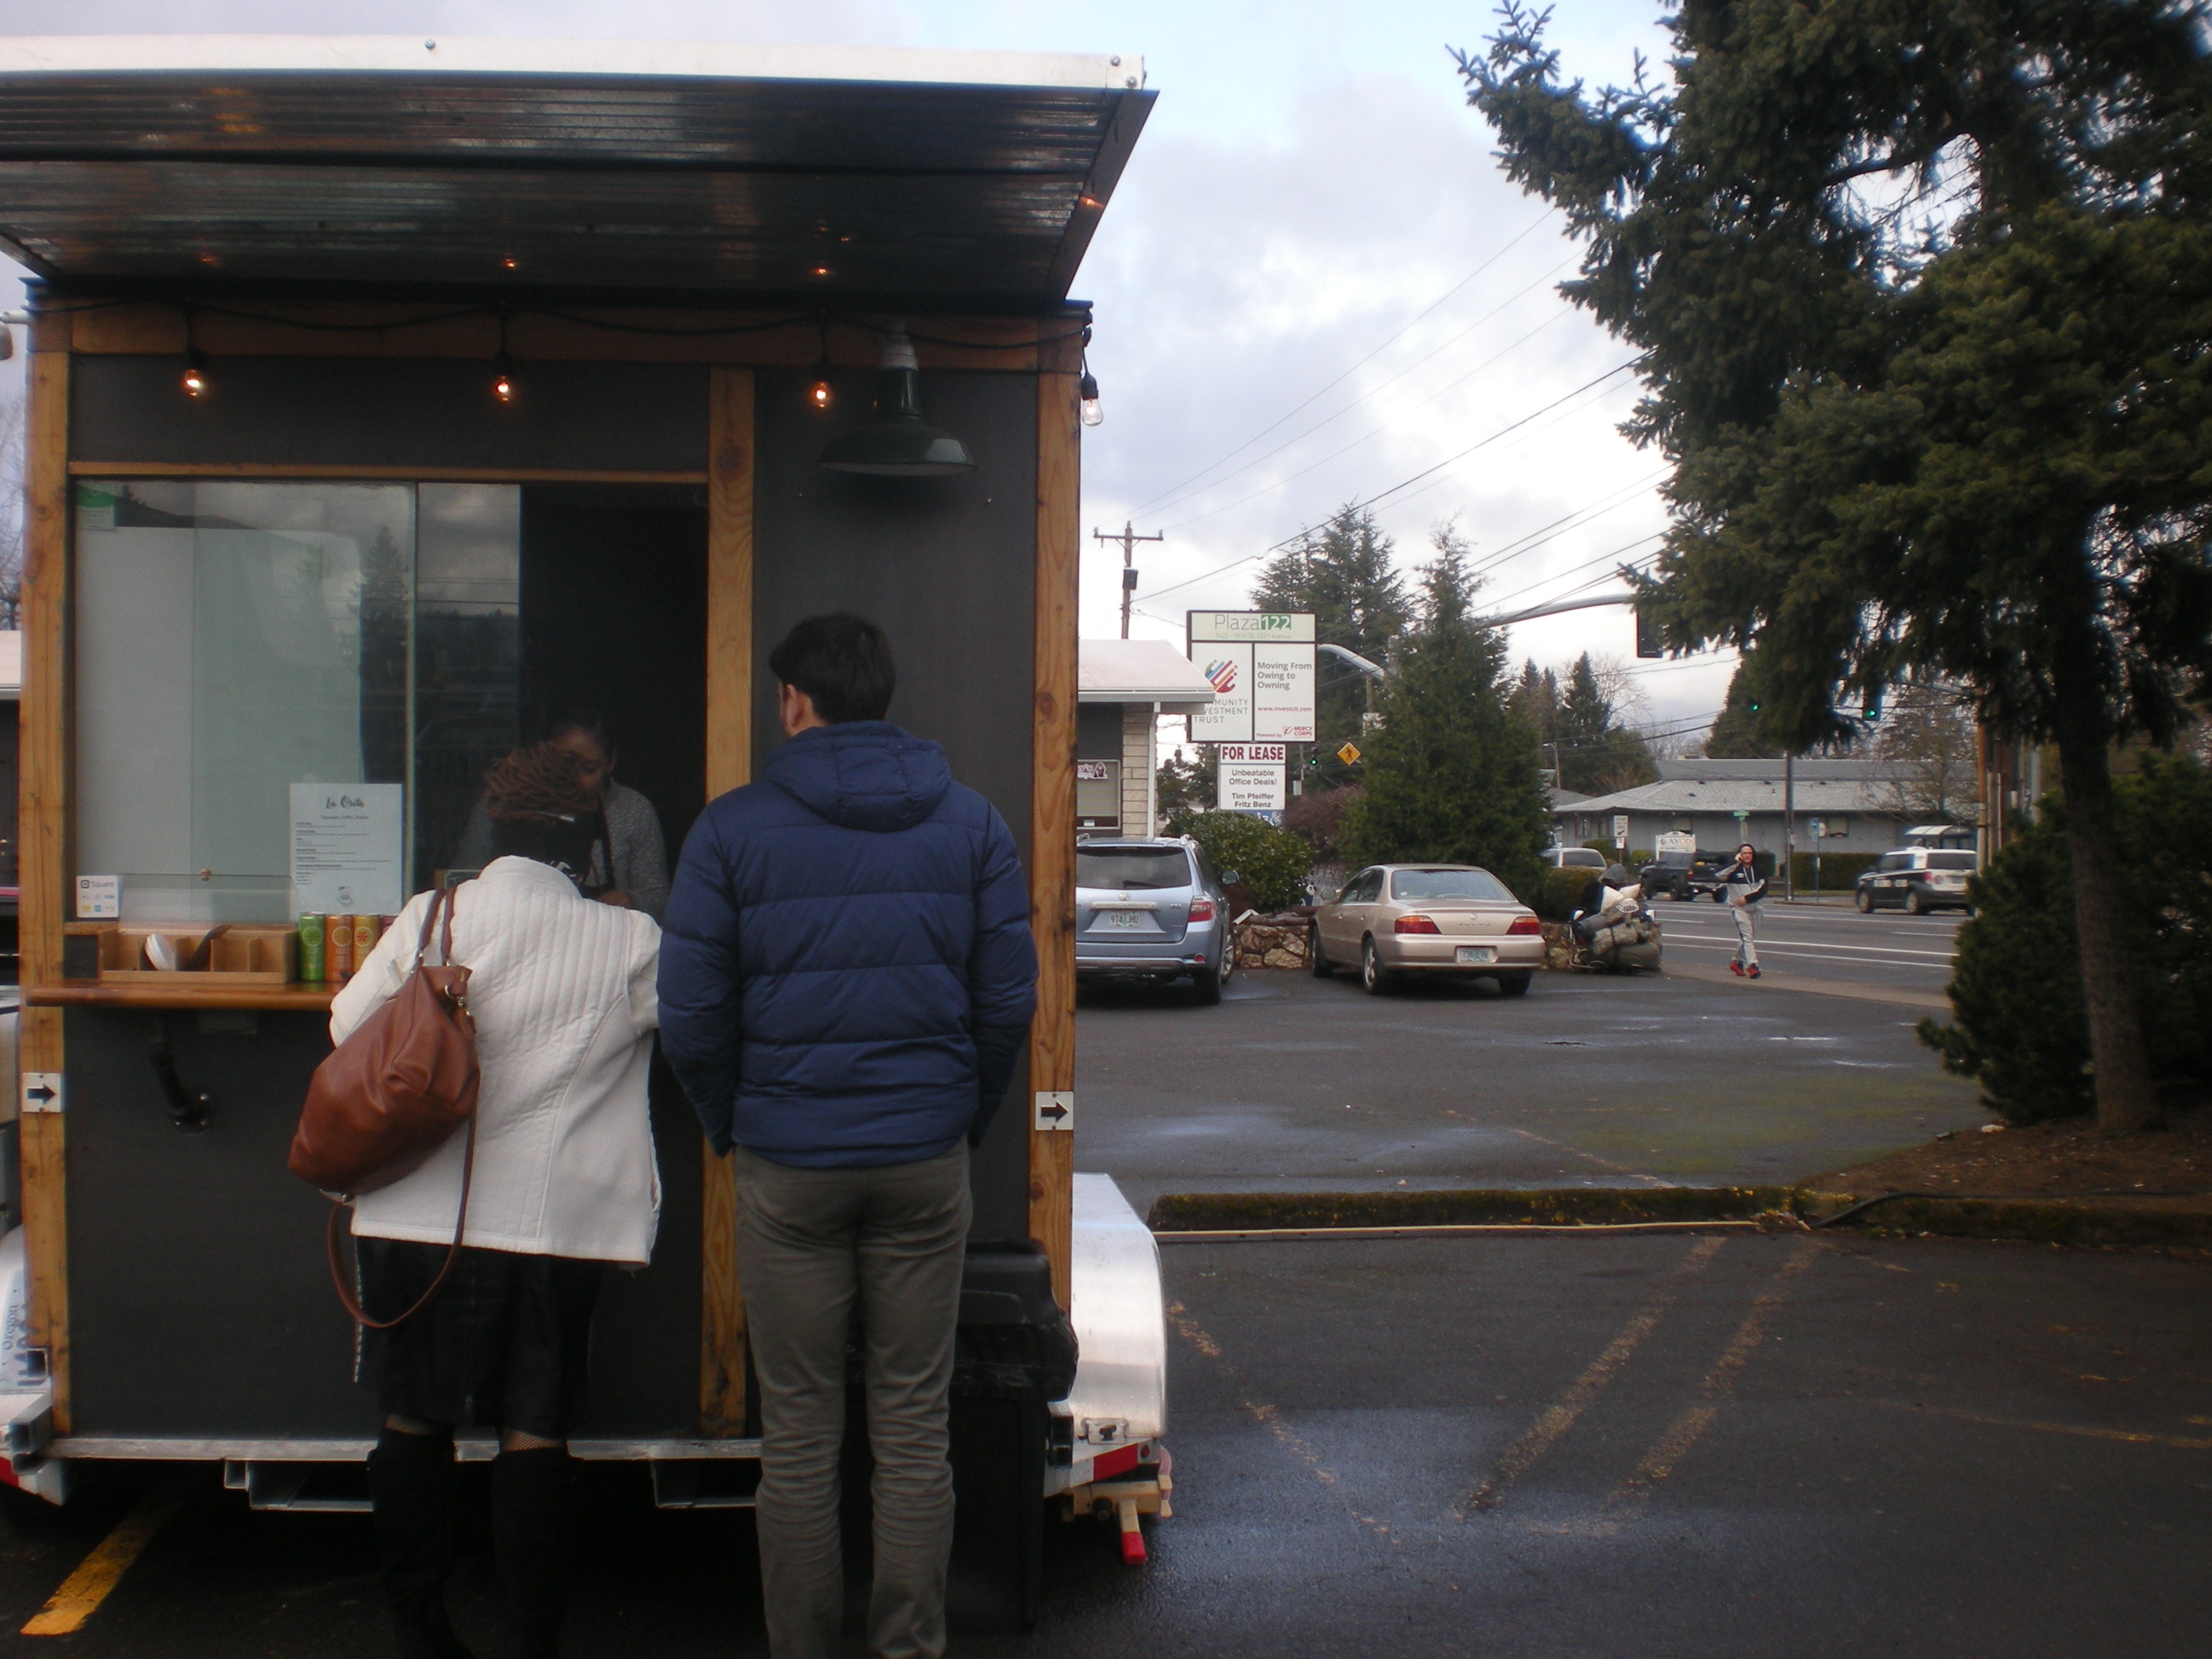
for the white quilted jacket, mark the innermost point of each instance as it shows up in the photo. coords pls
(562, 991)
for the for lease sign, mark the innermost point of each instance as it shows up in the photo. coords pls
(1251, 777)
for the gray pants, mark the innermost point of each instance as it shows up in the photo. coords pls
(814, 1245)
(1747, 934)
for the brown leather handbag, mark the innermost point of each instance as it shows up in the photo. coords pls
(391, 1095)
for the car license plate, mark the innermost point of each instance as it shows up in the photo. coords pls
(1475, 953)
(1121, 921)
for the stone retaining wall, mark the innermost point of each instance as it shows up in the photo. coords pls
(1276, 941)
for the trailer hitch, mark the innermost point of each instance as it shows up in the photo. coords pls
(190, 1108)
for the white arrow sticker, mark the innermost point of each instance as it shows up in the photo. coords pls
(1056, 1109)
(42, 1092)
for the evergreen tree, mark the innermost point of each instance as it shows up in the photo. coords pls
(1451, 772)
(1922, 296)
(1735, 733)
(1535, 702)
(1597, 754)
(1345, 574)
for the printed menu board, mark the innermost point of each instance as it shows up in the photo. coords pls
(347, 841)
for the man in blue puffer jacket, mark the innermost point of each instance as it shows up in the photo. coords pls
(846, 976)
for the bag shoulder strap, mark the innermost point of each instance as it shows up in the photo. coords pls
(334, 1236)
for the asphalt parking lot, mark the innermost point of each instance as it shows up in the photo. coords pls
(1535, 1446)
(1298, 1085)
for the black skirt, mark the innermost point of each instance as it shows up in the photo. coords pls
(505, 1344)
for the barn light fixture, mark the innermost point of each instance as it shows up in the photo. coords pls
(194, 379)
(896, 443)
(1087, 390)
(821, 394)
(502, 379)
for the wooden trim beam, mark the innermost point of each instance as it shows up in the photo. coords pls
(279, 470)
(1008, 344)
(1052, 815)
(729, 763)
(43, 835)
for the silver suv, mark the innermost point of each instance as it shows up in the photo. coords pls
(1152, 910)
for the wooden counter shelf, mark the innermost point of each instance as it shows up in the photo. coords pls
(91, 993)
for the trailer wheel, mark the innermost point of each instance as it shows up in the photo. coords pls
(997, 1579)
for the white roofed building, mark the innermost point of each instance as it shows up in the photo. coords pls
(1123, 687)
(1853, 799)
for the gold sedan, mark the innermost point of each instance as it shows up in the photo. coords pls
(1395, 919)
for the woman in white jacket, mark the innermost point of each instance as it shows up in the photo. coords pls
(562, 993)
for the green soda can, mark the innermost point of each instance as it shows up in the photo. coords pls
(314, 939)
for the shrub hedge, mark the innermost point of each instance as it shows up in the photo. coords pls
(1270, 863)
(2018, 1025)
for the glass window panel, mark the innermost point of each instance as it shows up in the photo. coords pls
(1132, 868)
(468, 646)
(233, 639)
(1432, 885)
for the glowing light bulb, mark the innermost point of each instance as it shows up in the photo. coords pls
(194, 382)
(820, 395)
(503, 380)
(1087, 390)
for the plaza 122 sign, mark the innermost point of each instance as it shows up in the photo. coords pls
(1261, 664)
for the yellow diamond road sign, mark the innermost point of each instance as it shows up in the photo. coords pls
(1348, 754)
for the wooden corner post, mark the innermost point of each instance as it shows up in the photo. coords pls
(1052, 819)
(44, 834)
(729, 763)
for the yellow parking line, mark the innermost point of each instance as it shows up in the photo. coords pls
(83, 1590)
(1557, 1418)
(1689, 1428)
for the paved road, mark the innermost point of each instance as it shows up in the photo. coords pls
(1827, 941)
(1299, 1084)
(1739, 1446)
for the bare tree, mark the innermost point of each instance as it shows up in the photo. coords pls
(1930, 760)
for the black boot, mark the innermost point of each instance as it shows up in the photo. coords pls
(411, 1480)
(530, 1521)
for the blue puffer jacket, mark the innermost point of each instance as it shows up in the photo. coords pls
(847, 972)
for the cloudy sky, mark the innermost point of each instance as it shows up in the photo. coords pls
(1313, 283)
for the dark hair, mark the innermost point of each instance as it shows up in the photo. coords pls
(540, 809)
(591, 722)
(843, 662)
(565, 841)
(1742, 848)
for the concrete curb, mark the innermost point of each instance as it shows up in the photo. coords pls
(1195, 1218)
(2081, 1222)
(1542, 1206)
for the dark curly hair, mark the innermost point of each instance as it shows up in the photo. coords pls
(541, 809)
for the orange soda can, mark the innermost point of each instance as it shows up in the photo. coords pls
(367, 930)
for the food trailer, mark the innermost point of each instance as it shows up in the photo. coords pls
(387, 395)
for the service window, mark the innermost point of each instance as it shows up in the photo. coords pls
(235, 639)
(232, 639)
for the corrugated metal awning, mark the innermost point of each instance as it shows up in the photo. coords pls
(615, 166)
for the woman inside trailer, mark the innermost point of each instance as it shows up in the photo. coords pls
(564, 1181)
(629, 860)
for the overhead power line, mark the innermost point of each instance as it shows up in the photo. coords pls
(1404, 484)
(1178, 493)
(1357, 366)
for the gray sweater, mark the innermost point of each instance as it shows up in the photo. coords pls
(634, 827)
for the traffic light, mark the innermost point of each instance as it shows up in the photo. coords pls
(1648, 642)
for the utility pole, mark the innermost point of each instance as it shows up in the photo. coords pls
(1789, 828)
(1128, 538)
